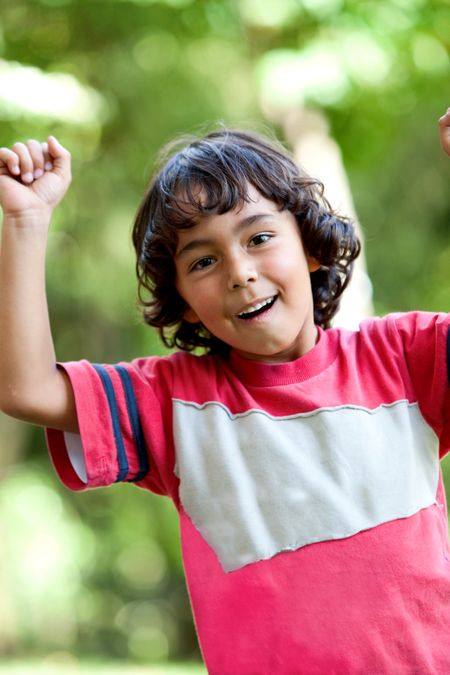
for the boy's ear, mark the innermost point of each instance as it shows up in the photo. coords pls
(313, 264)
(190, 316)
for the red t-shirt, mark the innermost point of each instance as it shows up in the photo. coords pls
(312, 513)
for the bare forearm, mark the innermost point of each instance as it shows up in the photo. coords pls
(31, 386)
(27, 356)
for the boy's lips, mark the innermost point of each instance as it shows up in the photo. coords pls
(256, 307)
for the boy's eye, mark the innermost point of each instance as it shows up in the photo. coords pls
(202, 263)
(260, 238)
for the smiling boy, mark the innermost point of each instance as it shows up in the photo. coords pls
(303, 460)
(246, 278)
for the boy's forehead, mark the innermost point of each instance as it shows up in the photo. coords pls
(252, 203)
(194, 201)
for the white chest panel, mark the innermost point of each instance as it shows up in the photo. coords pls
(255, 485)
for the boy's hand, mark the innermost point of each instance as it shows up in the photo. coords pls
(444, 131)
(33, 177)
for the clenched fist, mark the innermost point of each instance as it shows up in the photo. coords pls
(34, 177)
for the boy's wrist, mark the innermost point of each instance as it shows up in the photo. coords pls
(33, 221)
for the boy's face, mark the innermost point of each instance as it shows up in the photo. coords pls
(245, 276)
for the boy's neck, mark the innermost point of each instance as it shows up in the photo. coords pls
(305, 343)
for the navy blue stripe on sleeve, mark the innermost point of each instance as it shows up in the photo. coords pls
(448, 355)
(111, 397)
(133, 413)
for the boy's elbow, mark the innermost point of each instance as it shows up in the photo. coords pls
(14, 405)
(48, 402)
(48, 407)
(24, 405)
(7, 402)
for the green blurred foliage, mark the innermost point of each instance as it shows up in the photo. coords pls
(100, 573)
(64, 664)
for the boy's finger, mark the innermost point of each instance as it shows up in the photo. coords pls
(445, 119)
(25, 162)
(48, 164)
(37, 157)
(56, 150)
(10, 160)
(60, 157)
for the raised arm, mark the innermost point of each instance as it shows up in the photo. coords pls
(444, 131)
(33, 179)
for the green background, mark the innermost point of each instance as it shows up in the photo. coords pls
(99, 575)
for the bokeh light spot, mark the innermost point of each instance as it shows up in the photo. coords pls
(142, 566)
(429, 54)
(269, 14)
(321, 8)
(157, 52)
(288, 78)
(58, 96)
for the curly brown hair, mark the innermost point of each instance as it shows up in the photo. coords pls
(210, 175)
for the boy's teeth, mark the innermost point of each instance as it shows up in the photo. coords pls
(258, 305)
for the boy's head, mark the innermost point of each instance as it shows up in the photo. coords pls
(228, 172)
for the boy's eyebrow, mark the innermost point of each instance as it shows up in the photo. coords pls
(240, 225)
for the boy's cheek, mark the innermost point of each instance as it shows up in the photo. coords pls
(189, 314)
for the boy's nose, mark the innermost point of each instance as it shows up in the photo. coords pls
(241, 272)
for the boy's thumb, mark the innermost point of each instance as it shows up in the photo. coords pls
(58, 153)
(55, 148)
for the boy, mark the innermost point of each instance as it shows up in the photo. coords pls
(303, 460)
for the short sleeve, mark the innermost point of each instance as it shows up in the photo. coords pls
(425, 340)
(125, 435)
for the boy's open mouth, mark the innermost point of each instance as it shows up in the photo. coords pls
(258, 308)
